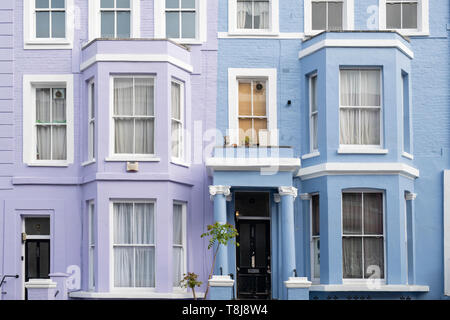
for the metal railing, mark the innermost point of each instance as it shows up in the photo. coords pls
(7, 276)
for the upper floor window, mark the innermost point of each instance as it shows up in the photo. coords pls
(253, 14)
(314, 113)
(177, 119)
(50, 18)
(181, 19)
(91, 122)
(409, 17)
(327, 15)
(360, 107)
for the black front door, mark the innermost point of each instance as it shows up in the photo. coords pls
(37, 260)
(253, 259)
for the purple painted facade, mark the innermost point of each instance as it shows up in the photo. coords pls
(62, 193)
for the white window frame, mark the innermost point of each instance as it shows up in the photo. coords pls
(95, 19)
(131, 156)
(361, 148)
(274, 25)
(348, 20)
(270, 75)
(423, 27)
(201, 22)
(91, 121)
(311, 114)
(29, 29)
(181, 135)
(184, 238)
(312, 237)
(30, 83)
(91, 244)
(111, 244)
(364, 280)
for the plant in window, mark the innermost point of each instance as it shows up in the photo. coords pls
(221, 234)
(190, 281)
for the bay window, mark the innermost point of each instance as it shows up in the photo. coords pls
(362, 235)
(177, 118)
(134, 244)
(179, 243)
(315, 238)
(360, 107)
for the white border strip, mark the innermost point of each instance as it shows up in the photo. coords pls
(368, 288)
(351, 168)
(360, 43)
(447, 232)
(136, 58)
(252, 164)
(268, 35)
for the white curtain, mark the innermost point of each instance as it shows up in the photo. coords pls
(352, 213)
(123, 106)
(349, 126)
(143, 223)
(123, 266)
(373, 257)
(59, 142)
(262, 13)
(178, 254)
(42, 105)
(176, 114)
(244, 14)
(373, 213)
(145, 267)
(44, 143)
(352, 257)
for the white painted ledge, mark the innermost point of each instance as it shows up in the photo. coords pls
(297, 283)
(253, 164)
(311, 155)
(40, 284)
(369, 288)
(118, 159)
(407, 155)
(264, 35)
(134, 295)
(350, 150)
(221, 281)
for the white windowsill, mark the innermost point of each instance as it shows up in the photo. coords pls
(357, 150)
(411, 32)
(134, 295)
(369, 288)
(311, 155)
(179, 162)
(47, 164)
(128, 159)
(407, 155)
(50, 44)
(86, 163)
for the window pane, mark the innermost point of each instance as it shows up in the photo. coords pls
(315, 215)
(259, 99)
(143, 223)
(172, 3)
(91, 142)
(316, 257)
(261, 15)
(349, 126)
(143, 96)
(188, 4)
(91, 224)
(59, 106)
(124, 136)
(123, 217)
(373, 258)
(335, 15)
(42, 4)
(42, 24)
(172, 24)
(37, 226)
(108, 25)
(244, 15)
(123, 24)
(92, 106)
(313, 93)
(123, 3)
(57, 4)
(315, 130)
(123, 96)
(370, 88)
(176, 137)
(352, 257)
(373, 213)
(43, 143)
(370, 126)
(107, 4)
(393, 15)
(245, 130)
(352, 213)
(409, 16)
(177, 224)
(58, 24)
(350, 87)
(43, 105)
(123, 267)
(145, 267)
(188, 25)
(144, 136)
(260, 124)
(245, 99)
(59, 143)
(178, 266)
(176, 103)
(319, 15)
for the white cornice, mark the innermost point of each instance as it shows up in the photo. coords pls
(225, 190)
(357, 43)
(136, 58)
(356, 168)
(288, 191)
(253, 164)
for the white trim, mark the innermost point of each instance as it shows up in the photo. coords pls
(358, 168)
(253, 164)
(423, 27)
(118, 158)
(40, 284)
(311, 236)
(267, 35)
(274, 25)
(368, 287)
(182, 121)
(95, 19)
(409, 196)
(29, 116)
(361, 150)
(447, 232)
(91, 145)
(221, 281)
(347, 19)
(407, 155)
(311, 155)
(91, 262)
(29, 29)
(270, 74)
(359, 43)
(134, 295)
(297, 283)
(136, 58)
(159, 16)
(311, 133)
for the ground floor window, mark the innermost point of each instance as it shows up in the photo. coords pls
(315, 238)
(179, 243)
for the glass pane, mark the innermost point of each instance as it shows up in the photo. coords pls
(254, 204)
(57, 4)
(123, 218)
(108, 25)
(188, 4)
(59, 143)
(91, 224)
(43, 145)
(107, 4)
(176, 103)
(352, 213)
(172, 24)
(123, 267)
(315, 129)
(409, 16)
(259, 99)
(177, 224)
(143, 228)
(245, 130)
(188, 25)
(41, 4)
(178, 266)
(145, 267)
(123, 96)
(42, 105)
(122, 3)
(144, 136)
(58, 24)
(370, 126)
(319, 15)
(313, 94)
(349, 126)
(31, 260)
(261, 15)
(352, 258)
(350, 87)
(393, 16)
(143, 96)
(373, 258)
(244, 245)
(124, 136)
(176, 139)
(316, 257)
(42, 24)
(92, 96)
(260, 124)
(373, 213)
(91, 149)
(59, 106)
(315, 215)
(370, 88)
(260, 245)
(44, 259)
(37, 226)
(172, 3)
(245, 99)
(244, 15)
(123, 24)
(335, 15)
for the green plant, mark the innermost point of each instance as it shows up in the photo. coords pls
(221, 234)
(190, 281)
(247, 140)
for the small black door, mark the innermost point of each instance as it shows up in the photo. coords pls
(37, 260)
(253, 259)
